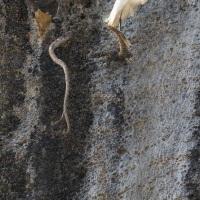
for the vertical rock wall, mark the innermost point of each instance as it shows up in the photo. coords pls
(135, 122)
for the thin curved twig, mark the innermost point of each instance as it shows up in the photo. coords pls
(62, 39)
(123, 42)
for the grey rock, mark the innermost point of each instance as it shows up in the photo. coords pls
(135, 122)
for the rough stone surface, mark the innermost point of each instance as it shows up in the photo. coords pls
(135, 122)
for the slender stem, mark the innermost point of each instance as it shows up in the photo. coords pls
(65, 37)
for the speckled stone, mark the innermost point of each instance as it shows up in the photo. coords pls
(135, 122)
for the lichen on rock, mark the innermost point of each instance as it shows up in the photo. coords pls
(43, 21)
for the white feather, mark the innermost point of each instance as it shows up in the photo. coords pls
(123, 9)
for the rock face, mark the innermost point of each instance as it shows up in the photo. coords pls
(135, 122)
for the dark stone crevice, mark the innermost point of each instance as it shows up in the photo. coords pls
(58, 160)
(14, 54)
(14, 48)
(192, 178)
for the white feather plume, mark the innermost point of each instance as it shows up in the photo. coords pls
(123, 9)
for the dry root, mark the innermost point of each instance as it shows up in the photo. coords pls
(62, 39)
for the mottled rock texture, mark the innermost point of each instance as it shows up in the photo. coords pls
(135, 122)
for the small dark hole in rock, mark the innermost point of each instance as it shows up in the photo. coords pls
(82, 16)
(88, 5)
(121, 150)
